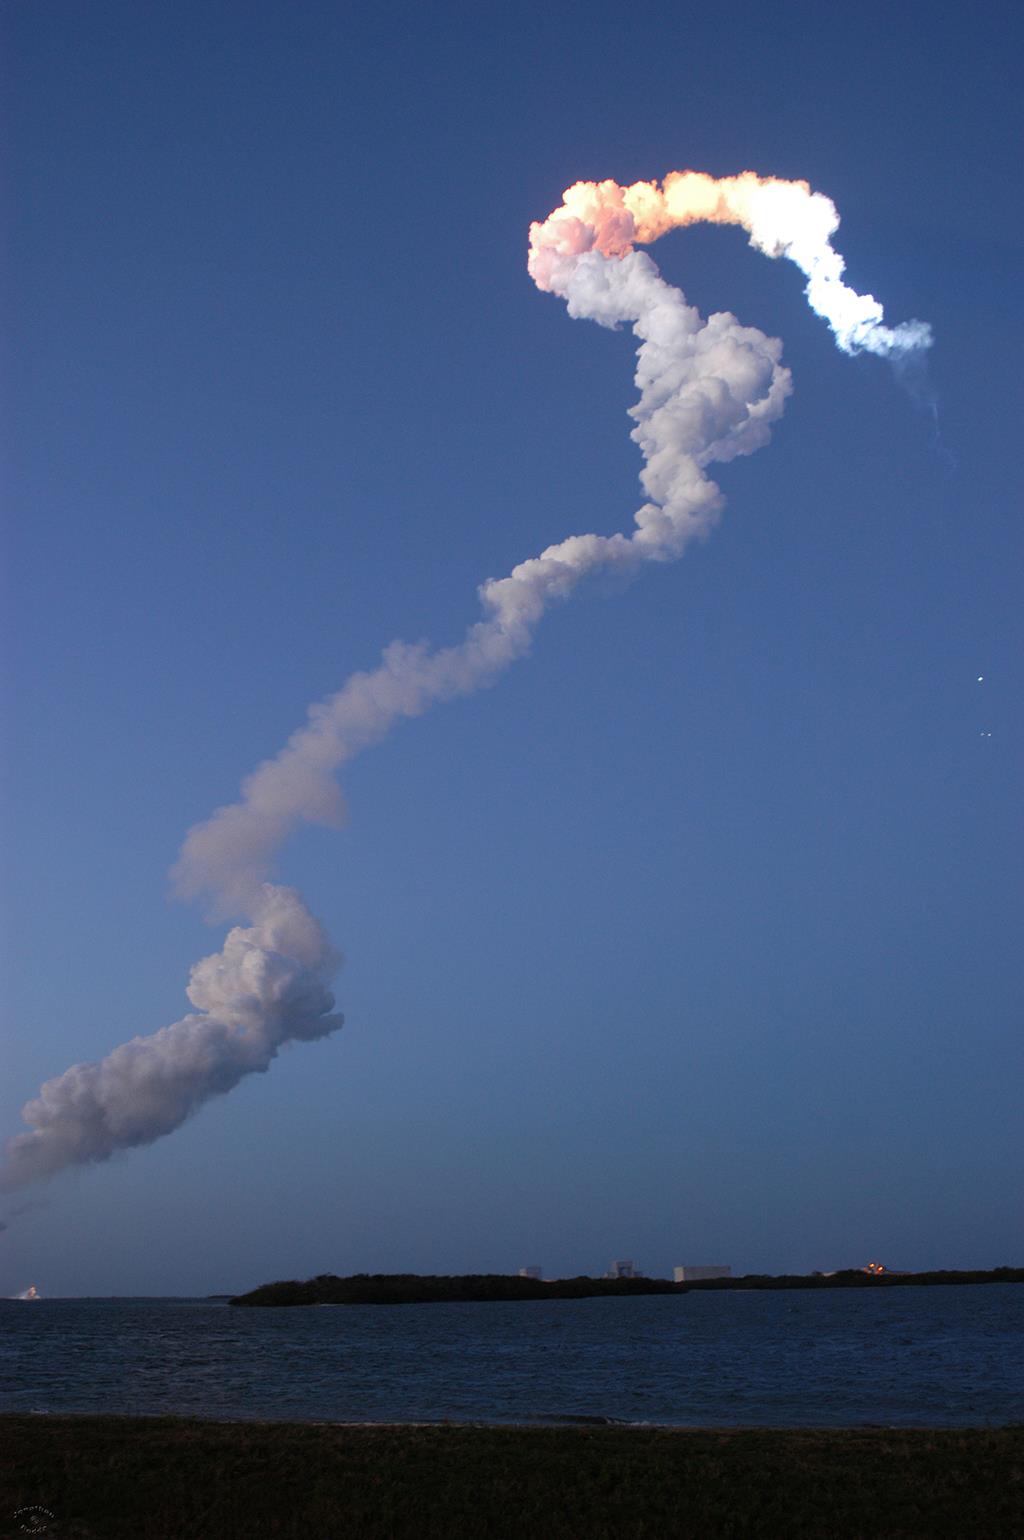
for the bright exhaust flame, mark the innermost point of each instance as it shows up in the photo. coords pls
(708, 391)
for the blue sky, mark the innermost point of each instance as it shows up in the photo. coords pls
(694, 939)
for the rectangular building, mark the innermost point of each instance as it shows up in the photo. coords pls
(698, 1274)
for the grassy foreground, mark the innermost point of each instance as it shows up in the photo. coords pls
(111, 1478)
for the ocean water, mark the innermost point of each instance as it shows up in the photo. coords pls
(939, 1356)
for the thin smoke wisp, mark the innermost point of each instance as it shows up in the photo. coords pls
(708, 391)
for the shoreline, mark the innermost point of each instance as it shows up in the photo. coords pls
(495, 1288)
(571, 1423)
(106, 1477)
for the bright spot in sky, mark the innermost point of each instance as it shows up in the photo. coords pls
(981, 678)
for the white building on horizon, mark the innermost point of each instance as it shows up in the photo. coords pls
(623, 1269)
(531, 1272)
(699, 1274)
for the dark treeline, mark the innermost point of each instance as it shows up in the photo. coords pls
(856, 1278)
(417, 1289)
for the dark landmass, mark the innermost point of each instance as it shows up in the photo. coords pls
(856, 1278)
(417, 1289)
(162, 1478)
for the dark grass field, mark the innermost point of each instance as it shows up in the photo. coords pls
(111, 1478)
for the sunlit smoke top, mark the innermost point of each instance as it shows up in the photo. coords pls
(708, 391)
(783, 219)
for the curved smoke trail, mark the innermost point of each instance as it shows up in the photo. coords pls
(709, 391)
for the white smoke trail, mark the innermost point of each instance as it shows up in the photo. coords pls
(266, 987)
(783, 219)
(709, 391)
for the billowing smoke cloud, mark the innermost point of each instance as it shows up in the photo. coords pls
(265, 987)
(709, 391)
(783, 219)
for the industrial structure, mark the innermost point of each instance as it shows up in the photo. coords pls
(623, 1269)
(699, 1274)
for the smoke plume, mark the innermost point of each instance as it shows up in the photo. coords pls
(265, 987)
(708, 391)
(783, 219)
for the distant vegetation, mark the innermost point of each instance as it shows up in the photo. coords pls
(856, 1278)
(416, 1289)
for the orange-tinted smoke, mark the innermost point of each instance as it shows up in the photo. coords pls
(609, 218)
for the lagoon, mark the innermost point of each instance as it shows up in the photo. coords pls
(933, 1357)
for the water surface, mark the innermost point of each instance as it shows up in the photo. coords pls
(931, 1356)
